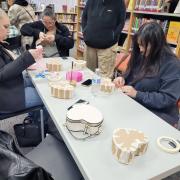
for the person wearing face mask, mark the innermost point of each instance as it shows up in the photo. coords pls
(53, 36)
(153, 74)
(16, 92)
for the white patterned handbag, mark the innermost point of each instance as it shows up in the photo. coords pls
(84, 121)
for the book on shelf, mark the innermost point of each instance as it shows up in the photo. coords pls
(173, 32)
(152, 5)
(68, 18)
(130, 6)
(140, 21)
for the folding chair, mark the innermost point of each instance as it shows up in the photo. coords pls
(55, 158)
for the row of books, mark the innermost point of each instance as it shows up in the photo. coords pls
(70, 18)
(139, 21)
(170, 28)
(150, 5)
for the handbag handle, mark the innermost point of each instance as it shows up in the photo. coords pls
(85, 132)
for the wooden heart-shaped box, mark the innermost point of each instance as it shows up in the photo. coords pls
(84, 118)
(128, 143)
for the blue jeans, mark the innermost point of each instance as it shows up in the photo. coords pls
(32, 98)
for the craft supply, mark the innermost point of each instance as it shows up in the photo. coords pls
(128, 143)
(171, 140)
(54, 65)
(107, 85)
(84, 119)
(62, 91)
(74, 76)
(79, 65)
(54, 76)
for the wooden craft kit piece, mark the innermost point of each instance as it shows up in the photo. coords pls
(54, 66)
(85, 119)
(62, 91)
(128, 143)
(79, 64)
(107, 85)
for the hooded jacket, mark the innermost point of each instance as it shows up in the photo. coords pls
(102, 22)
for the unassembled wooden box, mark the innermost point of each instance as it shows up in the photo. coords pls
(107, 85)
(62, 91)
(53, 66)
(128, 143)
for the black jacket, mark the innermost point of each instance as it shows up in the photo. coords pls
(12, 96)
(102, 22)
(160, 93)
(14, 166)
(63, 39)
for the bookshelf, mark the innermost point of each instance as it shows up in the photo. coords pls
(69, 19)
(80, 42)
(142, 12)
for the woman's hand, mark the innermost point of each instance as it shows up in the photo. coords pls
(42, 36)
(37, 53)
(129, 90)
(119, 82)
(50, 38)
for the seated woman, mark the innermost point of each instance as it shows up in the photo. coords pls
(16, 91)
(54, 36)
(153, 74)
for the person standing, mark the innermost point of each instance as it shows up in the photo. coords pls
(102, 22)
(20, 12)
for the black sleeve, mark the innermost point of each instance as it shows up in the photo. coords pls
(16, 67)
(168, 93)
(121, 20)
(32, 29)
(64, 39)
(84, 16)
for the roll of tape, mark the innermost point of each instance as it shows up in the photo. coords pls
(164, 148)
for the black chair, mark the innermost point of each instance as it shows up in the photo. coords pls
(27, 110)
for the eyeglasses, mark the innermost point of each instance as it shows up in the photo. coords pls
(48, 22)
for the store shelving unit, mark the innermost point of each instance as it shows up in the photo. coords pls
(80, 42)
(162, 17)
(69, 19)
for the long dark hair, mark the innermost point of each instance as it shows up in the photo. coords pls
(151, 34)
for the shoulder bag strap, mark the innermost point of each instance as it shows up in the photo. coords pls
(29, 14)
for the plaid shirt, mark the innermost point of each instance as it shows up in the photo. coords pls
(13, 32)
